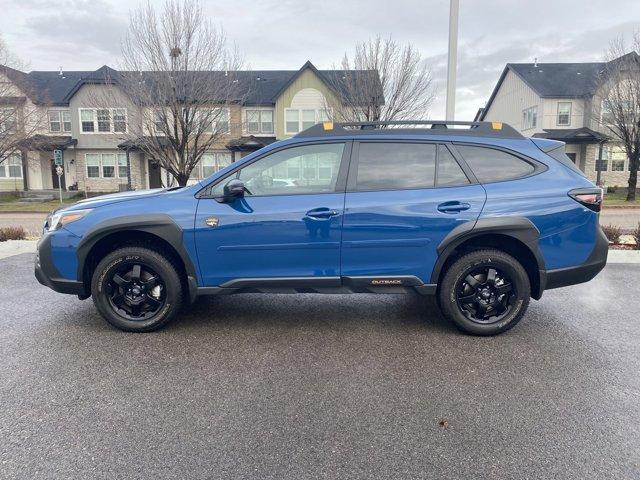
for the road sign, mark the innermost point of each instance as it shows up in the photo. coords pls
(57, 157)
(59, 170)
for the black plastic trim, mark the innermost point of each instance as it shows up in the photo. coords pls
(159, 225)
(596, 261)
(520, 228)
(326, 285)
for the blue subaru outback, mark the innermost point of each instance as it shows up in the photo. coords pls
(473, 213)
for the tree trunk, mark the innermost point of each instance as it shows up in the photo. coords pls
(633, 178)
(182, 179)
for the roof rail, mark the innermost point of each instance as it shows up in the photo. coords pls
(422, 127)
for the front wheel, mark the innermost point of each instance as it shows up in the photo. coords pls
(136, 289)
(485, 292)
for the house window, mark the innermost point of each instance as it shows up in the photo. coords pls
(59, 121)
(210, 163)
(122, 165)
(215, 120)
(11, 167)
(564, 113)
(103, 120)
(93, 165)
(158, 122)
(106, 165)
(119, 120)
(87, 120)
(292, 120)
(8, 121)
(614, 154)
(297, 120)
(259, 122)
(529, 117)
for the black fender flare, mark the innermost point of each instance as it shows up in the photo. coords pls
(160, 225)
(519, 228)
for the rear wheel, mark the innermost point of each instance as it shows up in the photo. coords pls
(485, 292)
(136, 289)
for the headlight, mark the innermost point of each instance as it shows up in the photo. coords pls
(60, 219)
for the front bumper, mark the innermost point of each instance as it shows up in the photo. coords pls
(47, 274)
(563, 277)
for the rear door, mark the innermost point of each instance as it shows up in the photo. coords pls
(402, 199)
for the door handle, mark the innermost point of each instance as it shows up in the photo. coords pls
(453, 207)
(322, 213)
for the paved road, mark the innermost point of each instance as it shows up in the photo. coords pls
(279, 387)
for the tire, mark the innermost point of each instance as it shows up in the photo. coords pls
(479, 302)
(136, 289)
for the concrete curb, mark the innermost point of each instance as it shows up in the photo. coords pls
(623, 256)
(620, 207)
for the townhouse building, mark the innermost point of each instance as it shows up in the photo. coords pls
(98, 157)
(561, 101)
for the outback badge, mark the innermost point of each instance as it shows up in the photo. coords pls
(212, 221)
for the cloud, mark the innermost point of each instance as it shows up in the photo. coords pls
(283, 34)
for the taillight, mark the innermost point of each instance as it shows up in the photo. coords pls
(589, 197)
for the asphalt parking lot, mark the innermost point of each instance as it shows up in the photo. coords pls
(359, 386)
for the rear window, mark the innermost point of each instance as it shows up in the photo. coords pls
(560, 155)
(491, 165)
(395, 166)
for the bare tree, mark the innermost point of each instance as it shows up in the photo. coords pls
(19, 118)
(179, 73)
(618, 102)
(383, 81)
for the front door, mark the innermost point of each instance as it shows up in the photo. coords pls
(402, 200)
(287, 225)
(155, 178)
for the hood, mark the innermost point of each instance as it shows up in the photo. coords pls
(102, 200)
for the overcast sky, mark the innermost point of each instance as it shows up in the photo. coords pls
(283, 34)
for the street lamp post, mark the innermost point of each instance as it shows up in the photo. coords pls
(452, 60)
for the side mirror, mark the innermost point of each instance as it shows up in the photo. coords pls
(234, 188)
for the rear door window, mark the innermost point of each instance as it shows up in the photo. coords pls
(449, 172)
(395, 166)
(491, 165)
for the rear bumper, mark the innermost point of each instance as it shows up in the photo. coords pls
(563, 277)
(47, 274)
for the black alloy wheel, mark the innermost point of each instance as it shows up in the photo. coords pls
(485, 295)
(136, 291)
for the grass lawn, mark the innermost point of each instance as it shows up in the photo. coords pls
(12, 205)
(618, 198)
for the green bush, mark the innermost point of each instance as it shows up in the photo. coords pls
(12, 233)
(612, 189)
(612, 232)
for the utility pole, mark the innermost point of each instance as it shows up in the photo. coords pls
(452, 59)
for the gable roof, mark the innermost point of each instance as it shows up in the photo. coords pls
(556, 80)
(260, 87)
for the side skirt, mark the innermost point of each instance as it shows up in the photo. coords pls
(401, 284)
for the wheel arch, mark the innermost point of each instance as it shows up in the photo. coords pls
(158, 231)
(517, 236)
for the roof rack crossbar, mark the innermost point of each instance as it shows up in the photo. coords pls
(434, 127)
